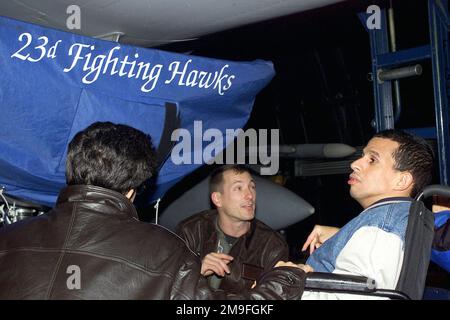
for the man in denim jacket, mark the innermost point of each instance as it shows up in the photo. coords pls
(394, 167)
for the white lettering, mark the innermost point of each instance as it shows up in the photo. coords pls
(256, 149)
(74, 280)
(74, 20)
(374, 20)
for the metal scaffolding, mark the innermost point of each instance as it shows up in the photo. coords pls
(389, 65)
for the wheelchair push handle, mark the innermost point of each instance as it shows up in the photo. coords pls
(435, 190)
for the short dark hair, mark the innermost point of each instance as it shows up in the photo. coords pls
(216, 177)
(413, 154)
(113, 156)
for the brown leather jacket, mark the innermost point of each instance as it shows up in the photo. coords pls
(97, 231)
(256, 251)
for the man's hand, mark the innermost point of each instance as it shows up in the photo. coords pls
(305, 267)
(216, 263)
(318, 236)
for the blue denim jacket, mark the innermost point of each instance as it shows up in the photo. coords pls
(390, 215)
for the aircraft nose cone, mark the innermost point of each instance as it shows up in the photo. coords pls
(337, 150)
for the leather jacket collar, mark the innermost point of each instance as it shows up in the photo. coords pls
(98, 196)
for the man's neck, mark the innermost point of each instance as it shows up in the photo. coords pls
(232, 227)
(368, 202)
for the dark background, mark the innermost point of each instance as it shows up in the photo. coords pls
(321, 92)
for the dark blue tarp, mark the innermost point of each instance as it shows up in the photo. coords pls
(55, 83)
(442, 256)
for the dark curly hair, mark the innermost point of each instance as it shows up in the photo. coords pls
(113, 156)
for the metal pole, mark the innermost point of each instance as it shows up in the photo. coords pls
(399, 73)
(438, 22)
(397, 104)
(384, 116)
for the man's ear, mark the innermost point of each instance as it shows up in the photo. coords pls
(216, 199)
(131, 195)
(405, 181)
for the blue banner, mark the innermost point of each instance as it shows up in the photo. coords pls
(54, 84)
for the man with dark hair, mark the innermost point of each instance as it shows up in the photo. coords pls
(91, 244)
(115, 157)
(234, 246)
(394, 167)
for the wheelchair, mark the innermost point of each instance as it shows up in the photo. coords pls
(418, 247)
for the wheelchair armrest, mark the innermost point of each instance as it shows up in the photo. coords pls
(350, 284)
(321, 281)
